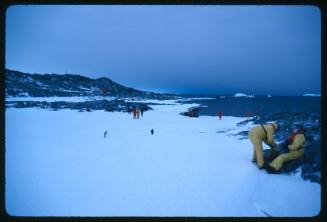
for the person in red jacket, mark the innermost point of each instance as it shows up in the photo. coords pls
(220, 114)
(137, 113)
(295, 150)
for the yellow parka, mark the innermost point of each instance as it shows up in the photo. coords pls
(296, 151)
(297, 143)
(257, 133)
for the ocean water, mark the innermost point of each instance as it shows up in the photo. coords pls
(243, 106)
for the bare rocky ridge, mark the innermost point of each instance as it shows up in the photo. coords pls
(19, 84)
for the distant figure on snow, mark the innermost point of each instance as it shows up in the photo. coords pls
(219, 114)
(137, 113)
(134, 113)
(141, 112)
(295, 150)
(105, 134)
(262, 133)
(152, 131)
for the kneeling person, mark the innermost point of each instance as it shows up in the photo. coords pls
(296, 150)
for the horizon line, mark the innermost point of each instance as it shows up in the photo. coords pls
(179, 94)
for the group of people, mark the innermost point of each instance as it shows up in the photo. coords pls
(265, 133)
(136, 112)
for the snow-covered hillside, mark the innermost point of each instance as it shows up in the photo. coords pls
(58, 163)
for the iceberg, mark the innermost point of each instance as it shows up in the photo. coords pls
(311, 94)
(243, 95)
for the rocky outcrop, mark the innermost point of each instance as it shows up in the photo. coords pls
(110, 106)
(309, 164)
(49, 85)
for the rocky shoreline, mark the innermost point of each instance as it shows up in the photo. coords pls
(107, 105)
(310, 163)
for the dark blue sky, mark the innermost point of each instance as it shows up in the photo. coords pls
(180, 49)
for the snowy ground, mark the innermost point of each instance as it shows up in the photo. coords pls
(59, 164)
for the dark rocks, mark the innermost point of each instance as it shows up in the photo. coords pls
(310, 163)
(110, 106)
(49, 85)
(192, 111)
(243, 135)
(190, 114)
(286, 120)
(244, 122)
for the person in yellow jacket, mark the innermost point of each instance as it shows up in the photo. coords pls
(262, 133)
(296, 151)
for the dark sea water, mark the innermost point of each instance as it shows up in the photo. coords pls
(242, 106)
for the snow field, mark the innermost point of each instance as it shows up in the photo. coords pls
(59, 164)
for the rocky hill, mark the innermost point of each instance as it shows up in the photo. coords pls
(48, 85)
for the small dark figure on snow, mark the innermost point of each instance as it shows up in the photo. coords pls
(220, 114)
(105, 134)
(137, 113)
(152, 131)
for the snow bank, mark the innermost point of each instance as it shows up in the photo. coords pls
(58, 163)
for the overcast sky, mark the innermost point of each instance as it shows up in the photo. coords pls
(178, 49)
